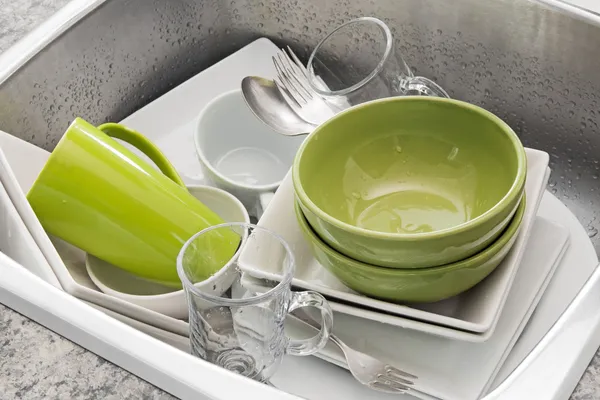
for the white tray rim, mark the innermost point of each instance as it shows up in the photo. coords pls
(176, 372)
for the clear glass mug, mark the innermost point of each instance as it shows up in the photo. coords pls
(241, 330)
(357, 62)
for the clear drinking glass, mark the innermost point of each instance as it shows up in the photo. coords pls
(357, 62)
(241, 330)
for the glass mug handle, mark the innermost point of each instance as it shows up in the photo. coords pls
(306, 347)
(423, 86)
(140, 142)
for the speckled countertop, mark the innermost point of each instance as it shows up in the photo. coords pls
(36, 363)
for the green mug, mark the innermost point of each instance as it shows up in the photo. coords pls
(98, 195)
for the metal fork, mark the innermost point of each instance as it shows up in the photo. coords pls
(292, 81)
(337, 104)
(366, 369)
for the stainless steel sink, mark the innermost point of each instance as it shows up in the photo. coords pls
(535, 65)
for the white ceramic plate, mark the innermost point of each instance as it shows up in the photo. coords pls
(441, 362)
(415, 351)
(476, 310)
(578, 265)
(15, 240)
(406, 348)
(551, 371)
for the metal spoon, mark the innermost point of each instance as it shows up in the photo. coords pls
(268, 104)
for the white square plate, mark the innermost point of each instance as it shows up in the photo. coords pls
(15, 240)
(451, 369)
(414, 351)
(471, 315)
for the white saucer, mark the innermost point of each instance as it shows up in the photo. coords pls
(154, 296)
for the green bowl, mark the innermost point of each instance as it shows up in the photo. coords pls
(410, 182)
(412, 285)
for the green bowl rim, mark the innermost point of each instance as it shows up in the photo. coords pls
(514, 191)
(477, 259)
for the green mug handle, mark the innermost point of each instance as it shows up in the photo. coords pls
(140, 142)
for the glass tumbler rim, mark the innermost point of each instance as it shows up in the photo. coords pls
(342, 92)
(282, 286)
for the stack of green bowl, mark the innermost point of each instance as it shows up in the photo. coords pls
(411, 199)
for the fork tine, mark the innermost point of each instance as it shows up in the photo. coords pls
(302, 85)
(390, 383)
(288, 60)
(292, 74)
(287, 78)
(301, 66)
(291, 66)
(285, 83)
(383, 387)
(281, 74)
(297, 70)
(393, 378)
(287, 95)
(391, 370)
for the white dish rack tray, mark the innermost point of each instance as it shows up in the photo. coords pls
(546, 363)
